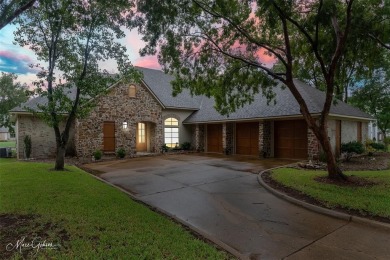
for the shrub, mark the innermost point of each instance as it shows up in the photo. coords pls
(164, 148)
(186, 146)
(121, 153)
(368, 147)
(27, 146)
(378, 146)
(97, 155)
(322, 157)
(387, 142)
(351, 148)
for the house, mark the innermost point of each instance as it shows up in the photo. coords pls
(142, 117)
(5, 135)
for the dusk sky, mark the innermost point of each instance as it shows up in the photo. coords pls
(16, 59)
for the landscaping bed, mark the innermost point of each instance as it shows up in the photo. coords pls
(365, 194)
(84, 218)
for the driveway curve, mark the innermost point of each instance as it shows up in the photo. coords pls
(221, 197)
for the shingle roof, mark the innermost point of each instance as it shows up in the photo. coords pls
(285, 105)
(33, 103)
(160, 84)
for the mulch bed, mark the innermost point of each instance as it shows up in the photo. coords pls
(379, 161)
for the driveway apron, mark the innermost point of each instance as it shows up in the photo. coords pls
(221, 197)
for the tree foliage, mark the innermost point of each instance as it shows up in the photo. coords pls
(374, 97)
(12, 94)
(10, 9)
(73, 37)
(215, 48)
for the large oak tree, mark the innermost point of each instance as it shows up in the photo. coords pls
(214, 47)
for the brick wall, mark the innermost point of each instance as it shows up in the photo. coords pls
(42, 137)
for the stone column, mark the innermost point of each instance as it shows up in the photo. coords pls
(198, 138)
(313, 145)
(261, 139)
(265, 139)
(227, 138)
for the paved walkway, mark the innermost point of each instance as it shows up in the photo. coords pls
(221, 197)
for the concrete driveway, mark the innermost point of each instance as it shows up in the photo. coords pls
(220, 196)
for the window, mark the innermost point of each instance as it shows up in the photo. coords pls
(141, 133)
(171, 132)
(132, 91)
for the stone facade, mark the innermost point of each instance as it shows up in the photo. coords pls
(117, 106)
(228, 138)
(198, 137)
(265, 139)
(313, 146)
(43, 141)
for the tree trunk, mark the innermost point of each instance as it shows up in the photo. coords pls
(60, 158)
(334, 172)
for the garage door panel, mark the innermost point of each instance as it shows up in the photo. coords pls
(214, 138)
(291, 139)
(247, 138)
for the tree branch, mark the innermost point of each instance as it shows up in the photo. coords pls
(16, 13)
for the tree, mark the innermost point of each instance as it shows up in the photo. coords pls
(214, 48)
(12, 94)
(73, 36)
(9, 10)
(374, 97)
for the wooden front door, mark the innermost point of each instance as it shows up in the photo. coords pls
(291, 139)
(247, 138)
(109, 136)
(214, 138)
(141, 145)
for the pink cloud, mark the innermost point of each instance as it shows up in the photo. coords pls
(150, 62)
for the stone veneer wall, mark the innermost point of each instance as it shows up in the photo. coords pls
(228, 138)
(265, 139)
(198, 137)
(43, 141)
(313, 145)
(117, 106)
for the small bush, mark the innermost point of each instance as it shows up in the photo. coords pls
(186, 146)
(378, 146)
(322, 157)
(97, 155)
(27, 146)
(121, 153)
(351, 148)
(387, 143)
(164, 148)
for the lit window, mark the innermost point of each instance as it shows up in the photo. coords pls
(141, 133)
(132, 91)
(171, 132)
(124, 125)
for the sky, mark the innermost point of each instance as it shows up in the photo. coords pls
(16, 59)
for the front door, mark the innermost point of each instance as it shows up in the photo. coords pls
(141, 138)
(109, 136)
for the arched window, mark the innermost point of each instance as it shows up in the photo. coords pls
(171, 132)
(132, 91)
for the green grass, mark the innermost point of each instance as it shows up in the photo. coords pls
(100, 221)
(375, 199)
(8, 144)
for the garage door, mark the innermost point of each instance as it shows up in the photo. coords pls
(214, 138)
(291, 139)
(247, 138)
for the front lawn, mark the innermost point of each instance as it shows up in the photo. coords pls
(373, 200)
(86, 218)
(8, 144)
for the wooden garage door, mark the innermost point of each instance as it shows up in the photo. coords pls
(214, 138)
(109, 136)
(291, 139)
(247, 138)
